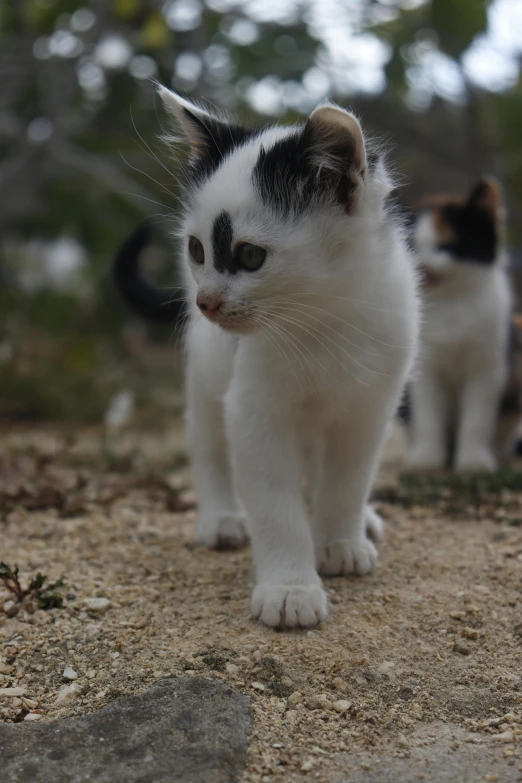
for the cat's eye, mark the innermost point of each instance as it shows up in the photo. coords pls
(250, 257)
(196, 250)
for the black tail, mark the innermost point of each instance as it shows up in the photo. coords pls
(143, 297)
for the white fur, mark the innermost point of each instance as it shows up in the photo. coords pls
(463, 361)
(300, 377)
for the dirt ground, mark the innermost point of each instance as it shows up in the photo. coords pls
(432, 641)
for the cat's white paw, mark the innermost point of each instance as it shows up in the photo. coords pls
(420, 459)
(289, 606)
(347, 556)
(222, 531)
(476, 461)
(374, 524)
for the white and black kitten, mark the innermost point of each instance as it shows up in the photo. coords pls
(303, 328)
(463, 379)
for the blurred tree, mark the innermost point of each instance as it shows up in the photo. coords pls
(79, 118)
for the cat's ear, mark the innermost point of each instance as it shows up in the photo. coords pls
(200, 127)
(338, 150)
(487, 195)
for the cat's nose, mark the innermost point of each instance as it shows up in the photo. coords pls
(208, 304)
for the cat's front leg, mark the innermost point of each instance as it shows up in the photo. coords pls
(428, 448)
(479, 407)
(268, 469)
(342, 516)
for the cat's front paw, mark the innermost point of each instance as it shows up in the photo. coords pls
(374, 524)
(476, 461)
(347, 556)
(289, 606)
(222, 531)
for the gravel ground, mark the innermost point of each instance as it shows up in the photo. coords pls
(431, 643)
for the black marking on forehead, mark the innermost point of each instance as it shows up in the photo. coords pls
(222, 244)
(475, 233)
(283, 174)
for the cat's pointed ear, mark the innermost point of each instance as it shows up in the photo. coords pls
(338, 149)
(199, 127)
(487, 195)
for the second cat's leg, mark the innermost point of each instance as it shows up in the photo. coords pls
(479, 406)
(268, 465)
(428, 447)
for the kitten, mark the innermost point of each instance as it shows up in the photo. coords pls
(464, 367)
(303, 328)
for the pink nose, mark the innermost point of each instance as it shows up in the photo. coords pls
(208, 304)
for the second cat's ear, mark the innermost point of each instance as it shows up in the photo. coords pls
(487, 195)
(338, 150)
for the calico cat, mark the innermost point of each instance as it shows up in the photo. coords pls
(465, 373)
(303, 328)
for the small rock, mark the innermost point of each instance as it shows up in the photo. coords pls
(295, 698)
(341, 706)
(470, 633)
(457, 615)
(307, 766)
(97, 605)
(492, 778)
(385, 669)
(285, 680)
(340, 684)
(5, 669)
(32, 716)
(18, 691)
(291, 716)
(231, 668)
(67, 694)
(10, 608)
(91, 674)
(402, 742)
(461, 648)
(70, 674)
(31, 704)
(319, 702)
(258, 686)
(506, 736)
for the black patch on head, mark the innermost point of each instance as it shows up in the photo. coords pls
(476, 234)
(290, 181)
(217, 140)
(222, 244)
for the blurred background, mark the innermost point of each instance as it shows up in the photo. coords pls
(81, 161)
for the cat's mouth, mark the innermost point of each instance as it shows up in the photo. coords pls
(236, 323)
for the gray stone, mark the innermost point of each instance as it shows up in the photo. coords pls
(439, 753)
(190, 730)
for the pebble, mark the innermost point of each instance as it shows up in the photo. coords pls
(402, 742)
(506, 736)
(492, 778)
(32, 716)
(340, 684)
(10, 608)
(31, 704)
(5, 669)
(291, 716)
(19, 691)
(385, 669)
(285, 680)
(341, 705)
(319, 702)
(470, 633)
(97, 605)
(91, 674)
(231, 668)
(67, 694)
(457, 615)
(461, 648)
(70, 674)
(258, 686)
(295, 698)
(306, 766)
